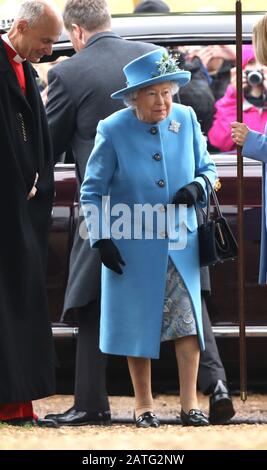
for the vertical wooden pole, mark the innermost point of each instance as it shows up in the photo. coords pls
(241, 280)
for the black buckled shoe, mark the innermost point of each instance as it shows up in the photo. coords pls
(194, 418)
(147, 420)
(74, 417)
(221, 405)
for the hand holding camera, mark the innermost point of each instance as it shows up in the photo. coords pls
(254, 77)
(255, 81)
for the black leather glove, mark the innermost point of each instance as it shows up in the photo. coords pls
(110, 255)
(189, 194)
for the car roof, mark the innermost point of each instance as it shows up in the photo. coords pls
(190, 28)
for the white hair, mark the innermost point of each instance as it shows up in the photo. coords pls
(32, 10)
(130, 99)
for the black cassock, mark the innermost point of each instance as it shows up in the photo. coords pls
(26, 345)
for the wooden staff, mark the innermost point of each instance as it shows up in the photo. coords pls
(240, 185)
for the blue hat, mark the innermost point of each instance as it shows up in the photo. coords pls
(154, 67)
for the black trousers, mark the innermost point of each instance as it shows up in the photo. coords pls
(210, 364)
(90, 376)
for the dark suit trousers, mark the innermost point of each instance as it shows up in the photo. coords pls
(210, 366)
(90, 376)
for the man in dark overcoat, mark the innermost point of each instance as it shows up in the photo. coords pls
(26, 193)
(78, 98)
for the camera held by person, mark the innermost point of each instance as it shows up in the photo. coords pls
(254, 77)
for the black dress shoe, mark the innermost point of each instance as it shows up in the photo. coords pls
(46, 423)
(74, 417)
(147, 420)
(221, 405)
(194, 418)
(59, 415)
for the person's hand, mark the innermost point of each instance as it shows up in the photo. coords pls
(254, 90)
(215, 53)
(33, 191)
(239, 132)
(188, 195)
(224, 51)
(203, 53)
(110, 255)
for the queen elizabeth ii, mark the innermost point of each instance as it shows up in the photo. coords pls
(151, 153)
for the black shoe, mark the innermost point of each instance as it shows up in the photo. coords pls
(46, 423)
(221, 405)
(147, 420)
(74, 417)
(194, 418)
(58, 415)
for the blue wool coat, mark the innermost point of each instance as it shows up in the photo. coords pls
(255, 147)
(134, 162)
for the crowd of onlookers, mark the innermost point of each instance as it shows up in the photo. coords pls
(212, 91)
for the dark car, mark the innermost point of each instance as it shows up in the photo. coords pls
(172, 31)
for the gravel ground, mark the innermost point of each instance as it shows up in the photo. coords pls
(126, 436)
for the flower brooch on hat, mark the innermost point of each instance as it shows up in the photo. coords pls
(167, 64)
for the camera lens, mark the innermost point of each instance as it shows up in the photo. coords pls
(254, 78)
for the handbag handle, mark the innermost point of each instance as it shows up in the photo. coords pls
(214, 196)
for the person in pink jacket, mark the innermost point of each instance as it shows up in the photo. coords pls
(254, 103)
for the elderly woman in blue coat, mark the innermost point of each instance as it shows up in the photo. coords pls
(141, 184)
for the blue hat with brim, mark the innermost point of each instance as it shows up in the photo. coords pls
(154, 67)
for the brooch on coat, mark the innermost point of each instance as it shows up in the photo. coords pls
(174, 126)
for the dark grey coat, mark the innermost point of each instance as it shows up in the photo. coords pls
(78, 97)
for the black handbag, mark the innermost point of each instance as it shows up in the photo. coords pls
(216, 240)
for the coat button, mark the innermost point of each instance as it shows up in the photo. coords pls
(161, 183)
(153, 130)
(157, 157)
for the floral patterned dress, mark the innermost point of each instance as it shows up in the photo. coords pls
(178, 316)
